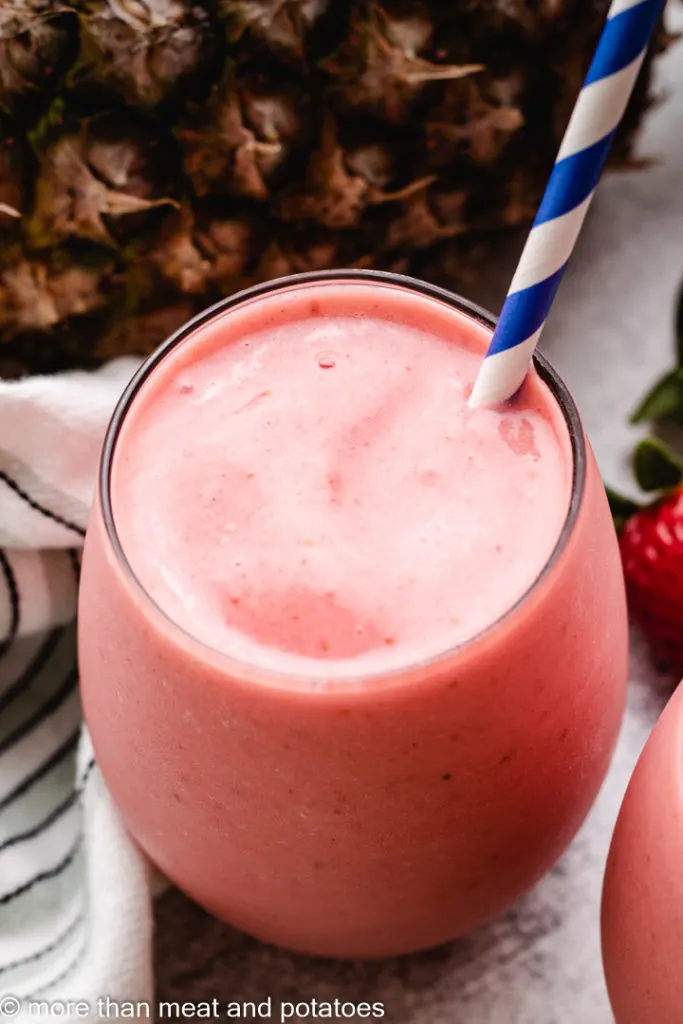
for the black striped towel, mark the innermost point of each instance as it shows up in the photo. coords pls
(75, 906)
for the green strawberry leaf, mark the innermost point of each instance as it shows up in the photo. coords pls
(679, 328)
(622, 508)
(655, 465)
(663, 401)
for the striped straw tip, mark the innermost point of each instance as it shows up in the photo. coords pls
(581, 158)
(502, 374)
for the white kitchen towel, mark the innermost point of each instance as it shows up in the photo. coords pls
(75, 903)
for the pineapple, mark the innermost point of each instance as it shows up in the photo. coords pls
(156, 155)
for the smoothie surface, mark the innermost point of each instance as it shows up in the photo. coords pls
(301, 484)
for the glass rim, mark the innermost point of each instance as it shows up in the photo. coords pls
(242, 668)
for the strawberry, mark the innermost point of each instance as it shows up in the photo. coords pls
(651, 544)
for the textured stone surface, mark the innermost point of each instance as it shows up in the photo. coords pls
(610, 335)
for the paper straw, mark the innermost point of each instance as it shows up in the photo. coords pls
(579, 163)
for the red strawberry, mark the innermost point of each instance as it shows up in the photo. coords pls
(651, 538)
(651, 544)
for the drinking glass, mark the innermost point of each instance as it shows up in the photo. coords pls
(372, 816)
(642, 904)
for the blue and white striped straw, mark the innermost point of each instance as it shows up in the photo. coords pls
(598, 111)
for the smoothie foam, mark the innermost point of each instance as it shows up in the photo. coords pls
(301, 484)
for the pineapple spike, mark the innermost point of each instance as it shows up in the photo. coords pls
(281, 24)
(178, 258)
(144, 50)
(477, 119)
(239, 139)
(39, 294)
(419, 185)
(71, 202)
(379, 68)
(35, 39)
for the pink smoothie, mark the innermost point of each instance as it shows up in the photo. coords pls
(353, 720)
(304, 487)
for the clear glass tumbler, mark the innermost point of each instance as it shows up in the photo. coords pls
(642, 902)
(386, 814)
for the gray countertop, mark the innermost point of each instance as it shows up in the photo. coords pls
(609, 335)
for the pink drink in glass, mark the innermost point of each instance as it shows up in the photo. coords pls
(353, 655)
(642, 901)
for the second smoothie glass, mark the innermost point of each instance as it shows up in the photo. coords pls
(379, 815)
